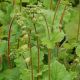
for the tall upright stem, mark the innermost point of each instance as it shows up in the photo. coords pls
(38, 57)
(78, 30)
(49, 52)
(0, 59)
(18, 43)
(61, 19)
(20, 5)
(14, 1)
(48, 31)
(29, 45)
(34, 24)
(49, 61)
(51, 4)
(9, 36)
(56, 9)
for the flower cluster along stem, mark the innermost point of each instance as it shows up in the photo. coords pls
(61, 19)
(29, 46)
(9, 36)
(38, 46)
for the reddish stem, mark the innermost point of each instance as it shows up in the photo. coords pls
(0, 59)
(49, 52)
(78, 28)
(38, 57)
(29, 45)
(9, 35)
(51, 4)
(14, 1)
(20, 5)
(47, 27)
(18, 43)
(61, 19)
(56, 9)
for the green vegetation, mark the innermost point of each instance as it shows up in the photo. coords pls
(39, 40)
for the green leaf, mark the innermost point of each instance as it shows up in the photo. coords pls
(35, 56)
(59, 72)
(3, 47)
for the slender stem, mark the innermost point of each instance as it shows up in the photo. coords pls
(78, 28)
(1, 4)
(18, 43)
(51, 4)
(49, 53)
(34, 24)
(38, 57)
(47, 27)
(56, 9)
(20, 5)
(29, 45)
(35, 28)
(49, 60)
(14, 1)
(0, 59)
(61, 19)
(9, 35)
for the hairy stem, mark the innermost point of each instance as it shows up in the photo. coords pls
(29, 45)
(61, 19)
(9, 35)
